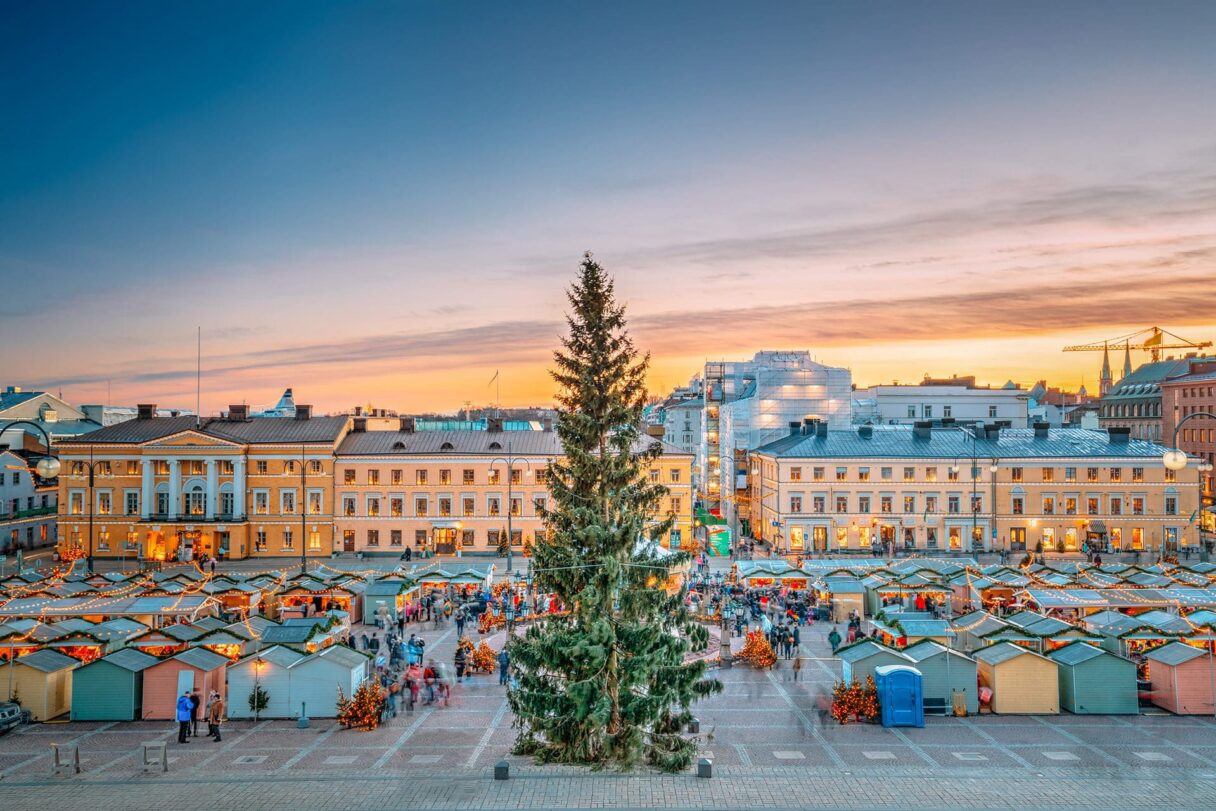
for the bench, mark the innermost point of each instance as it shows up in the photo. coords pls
(936, 706)
(154, 756)
(65, 760)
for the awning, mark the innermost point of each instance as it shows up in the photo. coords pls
(1097, 527)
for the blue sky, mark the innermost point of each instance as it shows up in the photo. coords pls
(382, 201)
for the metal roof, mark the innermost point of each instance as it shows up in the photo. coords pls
(278, 655)
(254, 431)
(1173, 653)
(201, 658)
(1002, 652)
(927, 648)
(344, 656)
(48, 661)
(865, 649)
(130, 659)
(900, 442)
(487, 443)
(1076, 653)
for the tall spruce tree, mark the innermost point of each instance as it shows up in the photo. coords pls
(607, 684)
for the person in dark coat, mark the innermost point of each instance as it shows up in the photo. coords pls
(196, 701)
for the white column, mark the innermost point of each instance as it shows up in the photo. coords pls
(238, 489)
(147, 494)
(213, 487)
(175, 489)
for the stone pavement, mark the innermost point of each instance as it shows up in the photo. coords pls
(769, 746)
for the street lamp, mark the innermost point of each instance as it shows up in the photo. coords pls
(1176, 459)
(509, 460)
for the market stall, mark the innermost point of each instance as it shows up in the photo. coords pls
(42, 681)
(165, 681)
(860, 659)
(1021, 681)
(944, 672)
(111, 688)
(1095, 681)
(1182, 677)
(268, 670)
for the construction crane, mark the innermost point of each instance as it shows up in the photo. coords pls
(1154, 343)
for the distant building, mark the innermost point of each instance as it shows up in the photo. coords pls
(1135, 401)
(1054, 406)
(286, 407)
(1181, 397)
(27, 505)
(749, 403)
(956, 398)
(57, 417)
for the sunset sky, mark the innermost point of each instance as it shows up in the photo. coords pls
(382, 202)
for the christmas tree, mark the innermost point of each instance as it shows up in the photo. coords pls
(483, 658)
(363, 709)
(605, 685)
(758, 651)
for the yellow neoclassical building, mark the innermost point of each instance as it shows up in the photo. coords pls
(454, 490)
(178, 488)
(951, 488)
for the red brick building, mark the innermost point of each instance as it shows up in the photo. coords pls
(1181, 397)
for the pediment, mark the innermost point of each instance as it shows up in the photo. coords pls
(191, 439)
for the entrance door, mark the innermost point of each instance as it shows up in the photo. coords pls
(185, 681)
(819, 538)
(348, 540)
(1017, 538)
(445, 540)
(222, 544)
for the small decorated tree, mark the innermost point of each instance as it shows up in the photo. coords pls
(483, 659)
(259, 700)
(757, 651)
(868, 708)
(856, 702)
(361, 711)
(841, 709)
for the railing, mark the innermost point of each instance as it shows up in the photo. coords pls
(19, 514)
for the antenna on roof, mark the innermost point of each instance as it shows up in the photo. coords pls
(198, 383)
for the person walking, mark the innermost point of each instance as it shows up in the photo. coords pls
(460, 619)
(215, 717)
(834, 639)
(460, 660)
(196, 701)
(184, 715)
(797, 667)
(504, 662)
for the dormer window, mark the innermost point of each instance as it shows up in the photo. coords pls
(447, 446)
(495, 446)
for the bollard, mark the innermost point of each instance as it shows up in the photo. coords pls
(502, 770)
(694, 726)
(705, 768)
(302, 723)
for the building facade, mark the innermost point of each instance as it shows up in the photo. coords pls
(179, 488)
(452, 490)
(27, 505)
(1135, 401)
(1182, 397)
(958, 398)
(749, 403)
(956, 489)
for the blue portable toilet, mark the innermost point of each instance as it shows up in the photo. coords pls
(900, 695)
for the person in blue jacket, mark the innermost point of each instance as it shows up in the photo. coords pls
(185, 717)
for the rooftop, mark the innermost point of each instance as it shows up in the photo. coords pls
(902, 442)
(489, 443)
(256, 430)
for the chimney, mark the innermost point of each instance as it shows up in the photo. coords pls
(865, 431)
(1118, 434)
(1040, 430)
(407, 425)
(547, 424)
(494, 425)
(238, 413)
(992, 432)
(821, 428)
(795, 428)
(145, 411)
(360, 425)
(358, 411)
(303, 412)
(922, 429)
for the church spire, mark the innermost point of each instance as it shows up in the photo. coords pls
(1104, 381)
(1127, 360)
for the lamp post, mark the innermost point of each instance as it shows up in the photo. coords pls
(1175, 459)
(509, 460)
(303, 511)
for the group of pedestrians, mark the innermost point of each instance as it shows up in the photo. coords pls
(188, 706)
